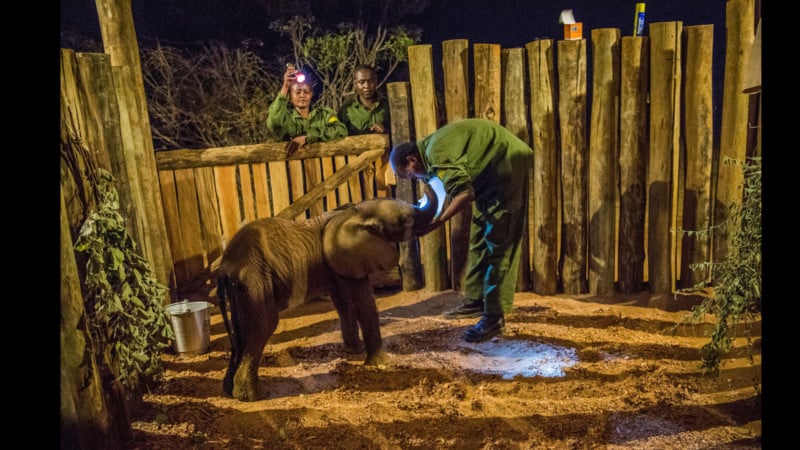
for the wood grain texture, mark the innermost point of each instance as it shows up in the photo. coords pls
(544, 194)
(603, 148)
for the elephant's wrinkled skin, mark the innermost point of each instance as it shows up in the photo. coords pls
(272, 264)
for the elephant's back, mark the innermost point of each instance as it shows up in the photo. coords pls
(279, 243)
(276, 254)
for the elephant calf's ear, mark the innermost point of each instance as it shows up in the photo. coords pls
(354, 246)
(375, 227)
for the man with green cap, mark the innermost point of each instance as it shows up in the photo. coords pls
(484, 165)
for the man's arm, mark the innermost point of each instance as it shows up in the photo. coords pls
(461, 200)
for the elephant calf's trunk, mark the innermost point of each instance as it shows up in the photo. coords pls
(425, 214)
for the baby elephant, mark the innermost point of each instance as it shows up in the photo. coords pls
(272, 264)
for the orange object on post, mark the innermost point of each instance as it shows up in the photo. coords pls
(573, 31)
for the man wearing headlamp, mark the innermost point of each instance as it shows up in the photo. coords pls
(483, 166)
(291, 116)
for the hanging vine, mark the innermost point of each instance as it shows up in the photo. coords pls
(122, 297)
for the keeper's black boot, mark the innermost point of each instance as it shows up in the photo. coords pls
(465, 310)
(488, 327)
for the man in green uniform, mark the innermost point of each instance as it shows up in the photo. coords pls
(481, 161)
(298, 122)
(365, 110)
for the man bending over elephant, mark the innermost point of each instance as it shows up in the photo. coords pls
(481, 161)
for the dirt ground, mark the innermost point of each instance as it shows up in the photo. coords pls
(570, 372)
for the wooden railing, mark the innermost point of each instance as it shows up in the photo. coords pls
(209, 194)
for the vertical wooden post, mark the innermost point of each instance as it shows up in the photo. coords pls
(279, 185)
(739, 22)
(515, 117)
(488, 81)
(699, 136)
(261, 188)
(423, 95)
(96, 84)
(119, 41)
(572, 119)
(665, 82)
(172, 217)
(75, 186)
(603, 159)
(209, 214)
(297, 187)
(455, 65)
(399, 94)
(543, 202)
(633, 150)
(228, 200)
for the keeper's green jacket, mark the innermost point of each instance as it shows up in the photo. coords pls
(483, 156)
(480, 155)
(358, 118)
(322, 123)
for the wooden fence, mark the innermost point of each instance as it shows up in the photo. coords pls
(209, 194)
(608, 195)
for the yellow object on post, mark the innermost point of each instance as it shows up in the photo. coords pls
(638, 20)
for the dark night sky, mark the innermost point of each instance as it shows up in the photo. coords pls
(514, 26)
(510, 23)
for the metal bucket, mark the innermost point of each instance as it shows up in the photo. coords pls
(191, 322)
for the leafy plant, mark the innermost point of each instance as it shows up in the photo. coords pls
(736, 298)
(215, 98)
(332, 55)
(220, 97)
(123, 301)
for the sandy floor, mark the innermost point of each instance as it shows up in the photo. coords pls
(570, 372)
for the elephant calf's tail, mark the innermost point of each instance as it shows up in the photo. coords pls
(225, 294)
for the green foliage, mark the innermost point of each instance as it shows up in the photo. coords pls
(333, 55)
(397, 45)
(128, 323)
(220, 97)
(737, 279)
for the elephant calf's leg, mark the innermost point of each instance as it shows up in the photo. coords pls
(349, 324)
(360, 291)
(246, 386)
(233, 364)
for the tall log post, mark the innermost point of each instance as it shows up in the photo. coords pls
(543, 202)
(423, 95)
(739, 22)
(633, 151)
(572, 119)
(665, 82)
(96, 83)
(399, 94)
(699, 136)
(455, 65)
(515, 117)
(603, 146)
(119, 41)
(488, 92)
(75, 184)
